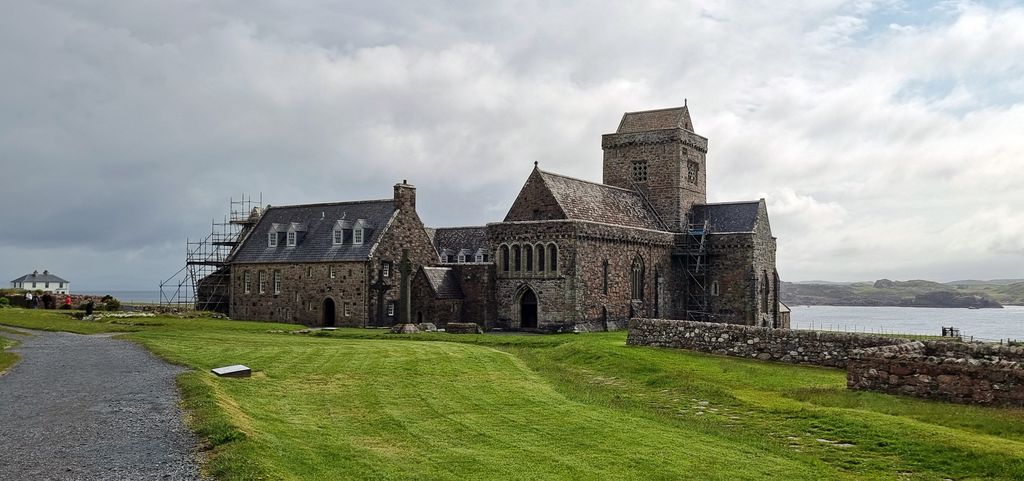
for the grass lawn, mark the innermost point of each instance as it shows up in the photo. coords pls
(364, 404)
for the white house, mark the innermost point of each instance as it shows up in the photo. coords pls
(45, 282)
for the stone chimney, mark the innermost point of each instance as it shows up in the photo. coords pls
(405, 196)
(46, 272)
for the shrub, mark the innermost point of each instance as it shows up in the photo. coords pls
(5, 302)
(111, 304)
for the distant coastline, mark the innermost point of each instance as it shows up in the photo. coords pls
(916, 293)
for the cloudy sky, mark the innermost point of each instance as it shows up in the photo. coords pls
(887, 136)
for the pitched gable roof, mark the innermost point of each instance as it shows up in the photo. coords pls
(728, 218)
(673, 118)
(319, 220)
(458, 239)
(45, 276)
(443, 282)
(590, 201)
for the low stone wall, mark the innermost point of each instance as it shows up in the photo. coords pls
(764, 343)
(949, 371)
(463, 328)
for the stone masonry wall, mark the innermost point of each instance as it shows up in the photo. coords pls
(767, 344)
(949, 371)
(669, 154)
(304, 287)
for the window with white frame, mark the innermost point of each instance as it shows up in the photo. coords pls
(479, 257)
(263, 282)
(271, 239)
(391, 309)
(247, 282)
(331, 273)
(277, 282)
(386, 269)
(357, 236)
(462, 257)
(291, 239)
(348, 311)
(338, 236)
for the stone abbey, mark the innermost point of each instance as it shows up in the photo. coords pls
(570, 254)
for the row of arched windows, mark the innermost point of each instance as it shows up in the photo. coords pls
(534, 258)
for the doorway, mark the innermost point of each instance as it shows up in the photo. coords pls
(328, 312)
(528, 310)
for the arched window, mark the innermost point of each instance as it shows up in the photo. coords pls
(517, 258)
(636, 279)
(553, 258)
(504, 257)
(715, 289)
(540, 257)
(528, 251)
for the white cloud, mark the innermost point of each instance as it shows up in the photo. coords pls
(873, 137)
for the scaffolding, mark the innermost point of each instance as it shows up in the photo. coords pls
(204, 282)
(692, 251)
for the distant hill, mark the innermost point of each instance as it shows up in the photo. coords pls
(913, 293)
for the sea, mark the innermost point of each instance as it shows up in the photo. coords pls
(981, 324)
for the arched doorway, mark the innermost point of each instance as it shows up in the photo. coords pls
(328, 312)
(528, 310)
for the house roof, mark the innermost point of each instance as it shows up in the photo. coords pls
(36, 276)
(727, 218)
(458, 239)
(673, 118)
(590, 201)
(443, 282)
(316, 244)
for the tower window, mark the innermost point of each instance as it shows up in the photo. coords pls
(692, 169)
(639, 171)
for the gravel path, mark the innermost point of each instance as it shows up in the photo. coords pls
(91, 407)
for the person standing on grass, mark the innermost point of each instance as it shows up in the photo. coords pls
(28, 301)
(67, 301)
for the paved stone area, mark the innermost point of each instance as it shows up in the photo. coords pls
(91, 408)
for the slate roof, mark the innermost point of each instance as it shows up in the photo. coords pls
(458, 239)
(316, 244)
(590, 201)
(45, 276)
(731, 217)
(443, 282)
(673, 118)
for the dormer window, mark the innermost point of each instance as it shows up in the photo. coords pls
(272, 239)
(291, 239)
(338, 236)
(359, 233)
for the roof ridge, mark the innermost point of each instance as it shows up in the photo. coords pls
(658, 110)
(325, 204)
(587, 181)
(461, 227)
(733, 202)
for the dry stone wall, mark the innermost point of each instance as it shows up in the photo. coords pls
(949, 371)
(764, 343)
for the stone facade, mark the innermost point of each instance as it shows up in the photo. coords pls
(767, 344)
(325, 292)
(570, 255)
(948, 371)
